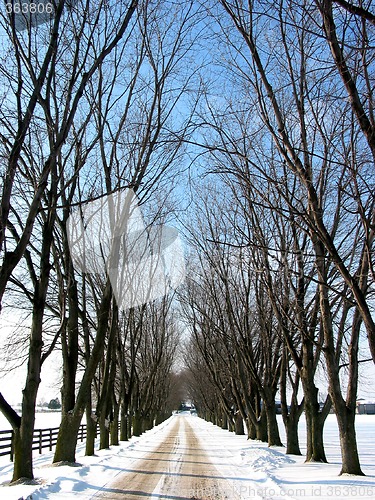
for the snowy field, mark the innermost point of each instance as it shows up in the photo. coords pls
(253, 470)
(43, 420)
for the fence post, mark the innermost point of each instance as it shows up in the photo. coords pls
(40, 441)
(50, 440)
(12, 447)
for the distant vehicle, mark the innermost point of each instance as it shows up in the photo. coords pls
(185, 407)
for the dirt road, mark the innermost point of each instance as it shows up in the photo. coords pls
(177, 469)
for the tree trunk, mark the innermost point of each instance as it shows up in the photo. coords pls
(130, 426)
(104, 431)
(348, 442)
(272, 427)
(231, 423)
(251, 428)
(224, 421)
(345, 413)
(147, 423)
(91, 419)
(217, 419)
(23, 459)
(106, 398)
(91, 423)
(137, 423)
(114, 432)
(23, 464)
(314, 428)
(23, 437)
(291, 414)
(67, 438)
(239, 428)
(314, 420)
(23, 442)
(124, 425)
(261, 427)
(292, 440)
(69, 335)
(114, 426)
(160, 417)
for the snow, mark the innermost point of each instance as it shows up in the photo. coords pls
(252, 469)
(259, 472)
(43, 420)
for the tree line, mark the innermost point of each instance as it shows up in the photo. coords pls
(265, 111)
(90, 107)
(283, 284)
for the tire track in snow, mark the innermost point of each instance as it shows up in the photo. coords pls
(178, 469)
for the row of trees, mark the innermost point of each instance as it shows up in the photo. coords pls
(285, 275)
(274, 100)
(90, 107)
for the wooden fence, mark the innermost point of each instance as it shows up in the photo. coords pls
(43, 438)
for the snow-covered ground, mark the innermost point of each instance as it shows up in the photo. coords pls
(258, 472)
(43, 420)
(252, 469)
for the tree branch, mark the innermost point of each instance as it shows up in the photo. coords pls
(11, 415)
(357, 11)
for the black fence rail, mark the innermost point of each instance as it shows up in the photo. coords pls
(6, 439)
(43, 438)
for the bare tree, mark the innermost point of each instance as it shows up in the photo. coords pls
(139, 139)
(297, 138)
(234, 329)
(33, 76)
(80, 101)
(36, 71)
